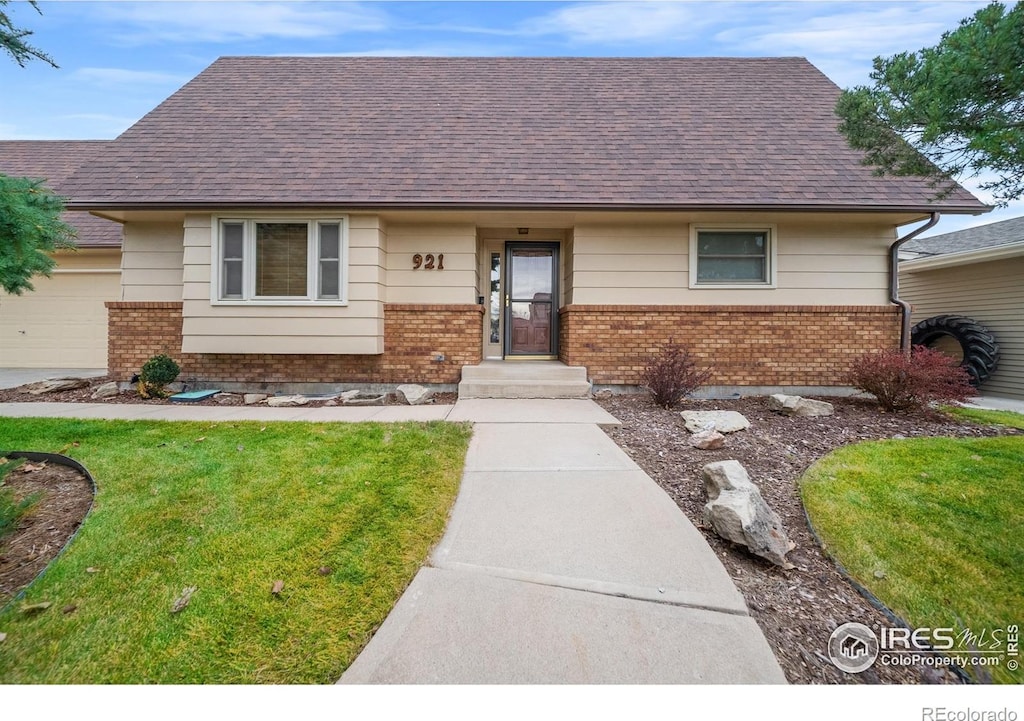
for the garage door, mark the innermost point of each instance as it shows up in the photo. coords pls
(62, 324)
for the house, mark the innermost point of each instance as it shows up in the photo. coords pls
(63, 322)
(381, 220)
(976, 273)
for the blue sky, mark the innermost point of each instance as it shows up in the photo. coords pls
(118, 60)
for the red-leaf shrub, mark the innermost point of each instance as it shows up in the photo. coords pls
(904, 382)
(672, 374)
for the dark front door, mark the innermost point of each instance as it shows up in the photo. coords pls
(531, 301)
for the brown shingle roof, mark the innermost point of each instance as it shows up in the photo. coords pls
(54, 161)
(498, 132)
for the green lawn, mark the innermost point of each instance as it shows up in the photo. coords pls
(931, 526)
(343, 514)
(986, 417)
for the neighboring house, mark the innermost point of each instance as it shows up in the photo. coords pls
(346, 220)
(977, 273)
(63, 322)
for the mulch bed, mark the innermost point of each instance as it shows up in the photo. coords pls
(797, 609)
(65, 496)
(84, 395)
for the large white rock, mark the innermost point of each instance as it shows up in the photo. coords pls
(52, 385)
(251, 399)
(738, 513)
(366, 401)
(721, 421)
(413, 394)
(107, 390)
(799, 406)
(286, 401)
(706, 440)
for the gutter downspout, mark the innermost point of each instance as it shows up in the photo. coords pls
(894, 280)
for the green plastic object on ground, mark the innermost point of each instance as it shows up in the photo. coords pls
(192, 396)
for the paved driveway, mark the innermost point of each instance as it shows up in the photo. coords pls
(14, 377)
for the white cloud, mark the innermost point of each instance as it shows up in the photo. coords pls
(234, 21)
(614, 22)
(843, 29)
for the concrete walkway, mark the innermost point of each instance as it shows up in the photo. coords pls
(563, 562)
(14, 377)
(996, 404)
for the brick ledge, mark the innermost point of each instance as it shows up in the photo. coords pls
(730, 308)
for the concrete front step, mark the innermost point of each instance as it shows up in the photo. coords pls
(526, 379)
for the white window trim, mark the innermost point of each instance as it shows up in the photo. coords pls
(249, 297)
(770, 257)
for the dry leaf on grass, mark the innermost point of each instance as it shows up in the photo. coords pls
(183, 599)
(278, 587)
(36, 607)
(31, 467)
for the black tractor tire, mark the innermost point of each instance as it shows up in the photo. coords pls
(979, 346)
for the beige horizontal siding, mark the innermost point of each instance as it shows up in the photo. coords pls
(290, 345)
(991, 293)
(151, 261)
(817, 263)
(455, 284)
(357, 327)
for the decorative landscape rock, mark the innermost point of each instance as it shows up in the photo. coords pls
(721, 421)
(287, 401)
(52, 385)
(226, 397)
(107, 390)
(799, 406)
(251, 399)
(413, 394)
(348, 395)
(707, 440)
(366, 401)
(738, 513)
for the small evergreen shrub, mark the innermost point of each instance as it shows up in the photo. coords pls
(911, 382)
(672, 374)
(156, 373)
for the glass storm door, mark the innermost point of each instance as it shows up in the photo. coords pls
(531, 298)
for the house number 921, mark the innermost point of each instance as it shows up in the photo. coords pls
(428, 261)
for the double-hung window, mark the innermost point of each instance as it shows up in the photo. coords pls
(732, 257)
(281, 261)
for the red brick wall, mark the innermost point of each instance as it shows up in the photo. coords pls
(412, 334)
(746, 345)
